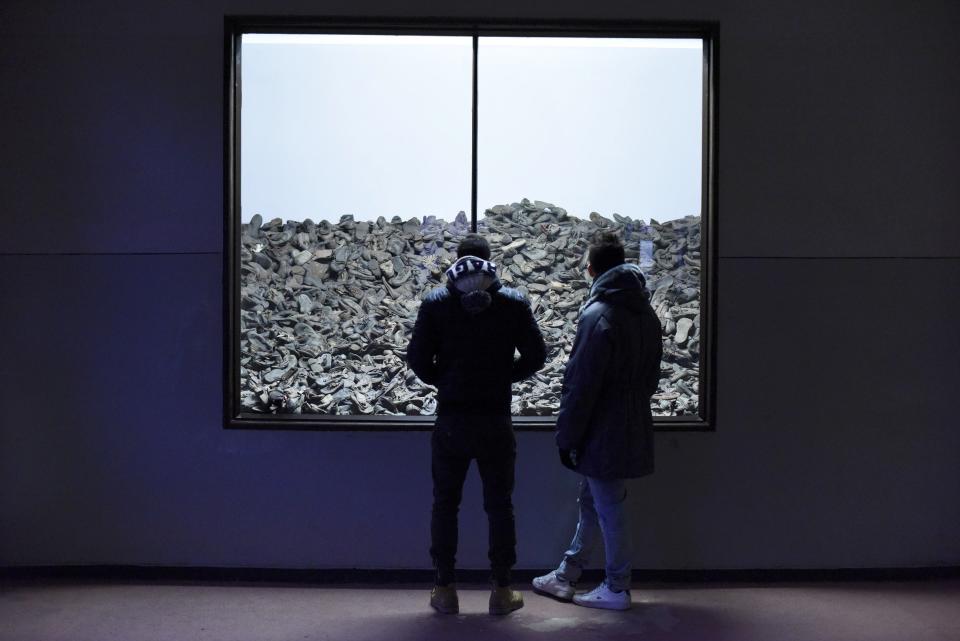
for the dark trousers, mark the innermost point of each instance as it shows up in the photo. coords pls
(456, 441)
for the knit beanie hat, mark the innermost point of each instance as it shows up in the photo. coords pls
(472, 276)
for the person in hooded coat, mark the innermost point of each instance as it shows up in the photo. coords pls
(605, 424)
(463, 343)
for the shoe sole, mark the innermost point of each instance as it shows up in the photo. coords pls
(603, 606)
(499, 612)
(556, 597)
(442, 610)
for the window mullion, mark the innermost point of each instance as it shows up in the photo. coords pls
(473, 165)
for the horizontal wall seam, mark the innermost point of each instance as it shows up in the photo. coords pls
(111, 253)
(839, 257)
(413, 575)
(219, 253)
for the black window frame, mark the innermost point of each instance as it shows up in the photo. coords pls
(236, 26)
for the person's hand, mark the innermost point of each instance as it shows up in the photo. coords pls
(568, 458)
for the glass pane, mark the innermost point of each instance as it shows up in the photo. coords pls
(355, 176)
(577, 134)
(355, 124)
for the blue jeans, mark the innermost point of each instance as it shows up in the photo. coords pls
(602, 514)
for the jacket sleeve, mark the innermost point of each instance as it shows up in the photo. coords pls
(530, 344)
(424, 345)
(583, 381)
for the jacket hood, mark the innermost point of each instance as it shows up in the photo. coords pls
(623, 285)
(473, 279)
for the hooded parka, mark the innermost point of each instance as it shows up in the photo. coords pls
(465, 337)
(613, 370)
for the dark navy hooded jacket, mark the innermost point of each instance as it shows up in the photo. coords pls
(464, 341)
(613, 370)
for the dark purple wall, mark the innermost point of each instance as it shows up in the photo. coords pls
(838, 441)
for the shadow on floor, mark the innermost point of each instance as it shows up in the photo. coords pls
(649, 621)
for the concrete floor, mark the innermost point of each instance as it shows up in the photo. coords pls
(76, 611)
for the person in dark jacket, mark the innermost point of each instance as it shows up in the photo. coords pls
(605, 425)
(463, 343)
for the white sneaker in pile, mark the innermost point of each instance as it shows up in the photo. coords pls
(603, 597)
(553, 585)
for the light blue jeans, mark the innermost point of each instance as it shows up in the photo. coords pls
(602, 514)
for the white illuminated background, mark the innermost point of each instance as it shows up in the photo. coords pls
(381, 125)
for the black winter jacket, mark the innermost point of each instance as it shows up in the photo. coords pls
(613, 370)
(469, 356)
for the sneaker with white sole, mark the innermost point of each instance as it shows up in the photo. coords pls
(603, 597)
(555, 586)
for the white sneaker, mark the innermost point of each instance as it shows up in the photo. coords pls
(553, 585)
(603, 597)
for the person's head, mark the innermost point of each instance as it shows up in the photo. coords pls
(605, 252)
(474, 245)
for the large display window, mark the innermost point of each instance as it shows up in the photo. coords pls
(358, 155)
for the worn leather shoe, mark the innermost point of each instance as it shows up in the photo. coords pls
(504, 600)
(443, 598)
